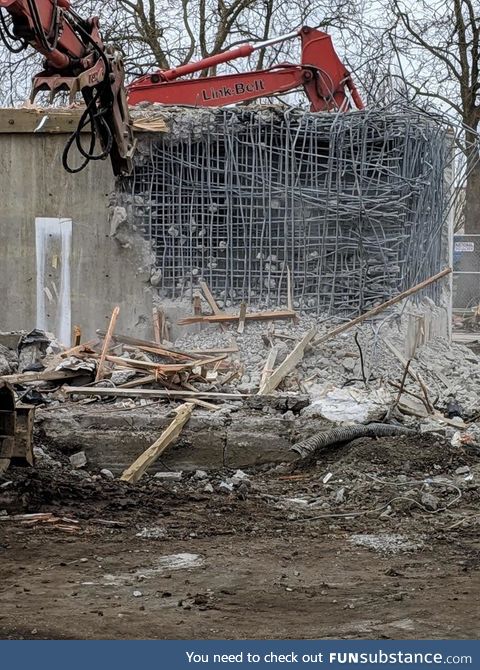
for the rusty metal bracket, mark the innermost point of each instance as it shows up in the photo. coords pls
(16, 429)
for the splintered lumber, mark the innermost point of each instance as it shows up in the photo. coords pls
(401, 358)
(138, 467)
(45, 376)
(197, 305)
(291, 361)
(212, 303)
(241, 320)
(204, 403)
(209, 298)
(162, 368)
(160, 351)
(270, 362)
(156, 326)
(380, 308)
(77, 335)
(85, 348)
(289, 290)
(221, 350)
(148, 379)
(106, 342)
(151, 393)
(144, 344)
(126, 339)
(231, 318)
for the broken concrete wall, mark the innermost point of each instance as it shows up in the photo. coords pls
(60, 263)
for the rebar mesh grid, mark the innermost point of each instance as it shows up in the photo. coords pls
(351, 206)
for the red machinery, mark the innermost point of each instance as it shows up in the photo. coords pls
(76, 60)
(326, 81)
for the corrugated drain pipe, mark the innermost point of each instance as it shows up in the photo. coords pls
(307, 448)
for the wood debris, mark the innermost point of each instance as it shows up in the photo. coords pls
(233, 318)
(294, 357)
(138, 468)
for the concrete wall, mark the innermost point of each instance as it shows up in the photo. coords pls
(84, 274)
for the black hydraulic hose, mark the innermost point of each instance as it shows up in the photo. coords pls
(92, 115)
(8, 37)
(307, 448)
(88, 117)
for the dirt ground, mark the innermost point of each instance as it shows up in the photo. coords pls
(294, 554)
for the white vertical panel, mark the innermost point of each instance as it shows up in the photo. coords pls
(53, 243)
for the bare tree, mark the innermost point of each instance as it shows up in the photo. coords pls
(437, 42)
(165, 33)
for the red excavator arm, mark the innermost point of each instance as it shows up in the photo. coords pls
(76, 60)
(326, 81)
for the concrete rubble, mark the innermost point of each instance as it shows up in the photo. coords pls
(357, 377)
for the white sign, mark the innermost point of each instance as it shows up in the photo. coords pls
(464, 246)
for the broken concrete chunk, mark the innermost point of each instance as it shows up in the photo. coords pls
(208, 488)
(349, 364)
(78, 460)
(225, 487)
(240, 475)
(108, 474)
(11, 339)
(431, 426)
(429, 501)
(174, 476)
(462, 470)
(200, 474)
(8, 361)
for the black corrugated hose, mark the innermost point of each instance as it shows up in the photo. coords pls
(307, 448)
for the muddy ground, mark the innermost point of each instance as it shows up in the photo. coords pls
(386, 546)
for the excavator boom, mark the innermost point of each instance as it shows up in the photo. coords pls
(77, 61)
(327, 83)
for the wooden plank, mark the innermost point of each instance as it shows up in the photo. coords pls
(27, 120)
(169, 435)
(211, 301)
(209, 298)
(151, 393)
(160, 367)
(160, 351)
(77, 336)
(401, 358)
(241, 319)
(134, 383)
(293, 358)
(269, 363)
(85, 348)
(156, 326)
(136, 342)
(106, 342)
(231, 318)
(380, 308)
(197, 305)
(63, 120)
(220, 350)
(289, 290)
(204, 403)
(45, 376)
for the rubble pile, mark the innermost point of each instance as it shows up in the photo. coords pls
(383, 373)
